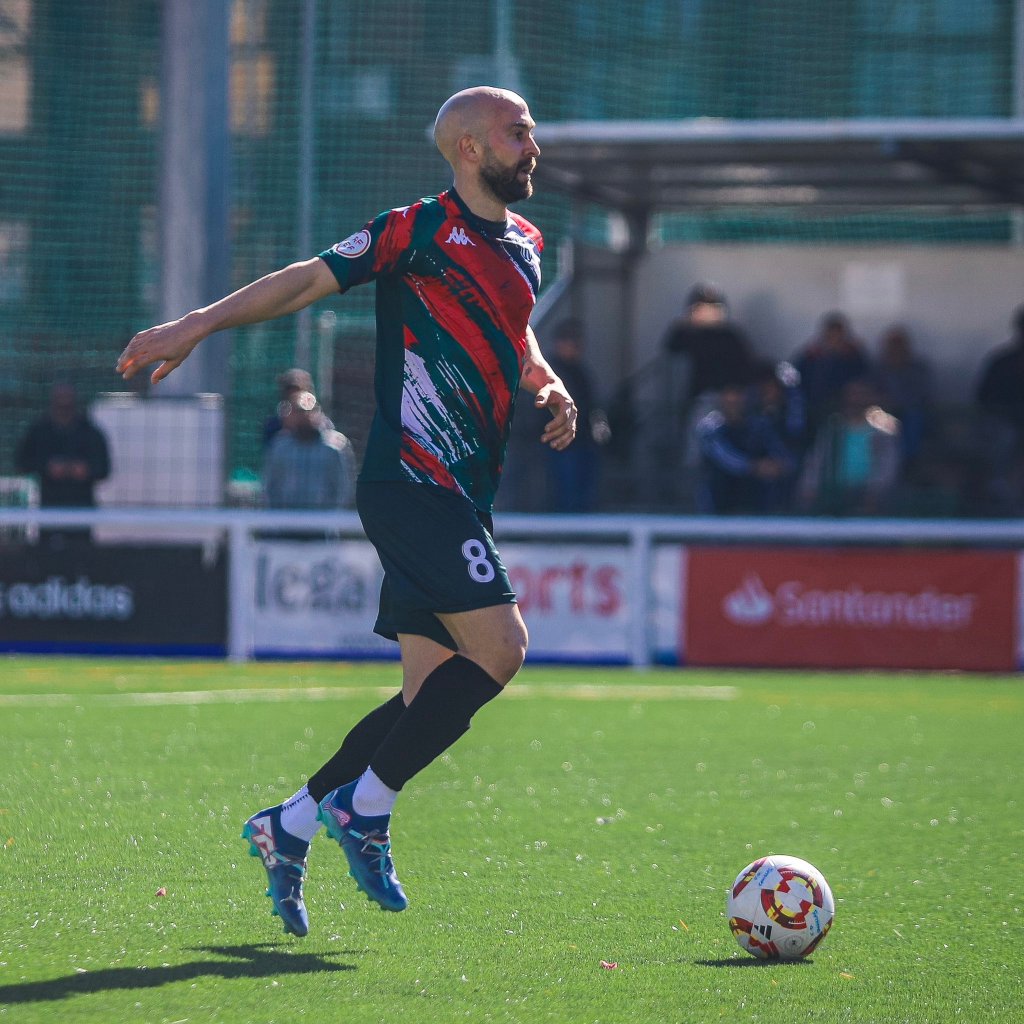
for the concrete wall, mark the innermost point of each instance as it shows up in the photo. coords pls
(956, 301)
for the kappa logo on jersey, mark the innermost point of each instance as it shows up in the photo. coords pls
(355, 245)
(459, 237)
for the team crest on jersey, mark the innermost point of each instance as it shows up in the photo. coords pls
(355, 245)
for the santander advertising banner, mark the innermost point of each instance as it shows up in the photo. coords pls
(850, 608)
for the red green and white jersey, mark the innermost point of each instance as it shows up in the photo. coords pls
(454, 297)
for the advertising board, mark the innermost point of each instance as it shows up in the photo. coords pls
(574, 599)
(167, 599)
(850, 608)
(316, 598)
(320, 599)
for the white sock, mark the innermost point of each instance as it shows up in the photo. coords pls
(298, 815)
(371, 797)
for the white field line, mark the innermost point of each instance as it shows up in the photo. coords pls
(280, 695)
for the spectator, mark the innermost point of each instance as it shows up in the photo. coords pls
(308, 465)
(854, 463)
(744, 463)
(778, 397)
(573, 474)
(289, 384)
(904, 382)
(69, 454)
(1000, 398)
(826, 365)
(716, 350)
(707, 352)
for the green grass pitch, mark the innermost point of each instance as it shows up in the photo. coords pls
(590, 815)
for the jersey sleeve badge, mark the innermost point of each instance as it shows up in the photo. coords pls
(353, 246)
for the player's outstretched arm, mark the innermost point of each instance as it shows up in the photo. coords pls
(282, 292)
(549, 393)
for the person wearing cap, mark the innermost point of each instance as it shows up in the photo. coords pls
(308, 465)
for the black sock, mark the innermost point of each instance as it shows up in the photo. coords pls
(437, 717)
(353, 757)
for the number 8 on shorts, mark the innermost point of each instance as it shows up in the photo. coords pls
(479, 568)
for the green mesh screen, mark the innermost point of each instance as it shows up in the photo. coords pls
(80, 129)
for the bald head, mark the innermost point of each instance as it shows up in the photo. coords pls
(486, 135)
(473, 112)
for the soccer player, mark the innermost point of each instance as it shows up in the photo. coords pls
(457, 276)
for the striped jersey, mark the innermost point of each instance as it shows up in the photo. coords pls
(454, 297)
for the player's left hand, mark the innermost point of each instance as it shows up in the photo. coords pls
(561, 430)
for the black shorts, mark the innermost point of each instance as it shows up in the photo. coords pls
(438, 556)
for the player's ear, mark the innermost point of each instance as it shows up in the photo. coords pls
(469, 149)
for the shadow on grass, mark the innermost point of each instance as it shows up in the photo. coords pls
(262, 960)
(750, 961)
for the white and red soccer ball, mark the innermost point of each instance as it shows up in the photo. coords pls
(780, 908)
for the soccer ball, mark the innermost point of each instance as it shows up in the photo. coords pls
(780, 908)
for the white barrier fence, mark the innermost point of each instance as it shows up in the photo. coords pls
(616, 589)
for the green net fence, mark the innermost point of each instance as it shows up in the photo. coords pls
(81, 102)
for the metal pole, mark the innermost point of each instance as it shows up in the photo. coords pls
(641, 598)
(326, 323)
(1017, 217)
(1018, 59)
(506, 71)
(194, 178)
(305, 177)
(241, 599)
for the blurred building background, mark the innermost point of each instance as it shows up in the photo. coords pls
(155, 154)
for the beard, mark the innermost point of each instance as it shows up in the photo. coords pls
(504, 183)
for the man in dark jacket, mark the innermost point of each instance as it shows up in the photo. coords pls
(1000, 399)
(717, 351)
(69, 454)
(743, 460)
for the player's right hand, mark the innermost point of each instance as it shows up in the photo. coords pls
(167, 344)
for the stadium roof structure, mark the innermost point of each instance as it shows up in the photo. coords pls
(644, 167)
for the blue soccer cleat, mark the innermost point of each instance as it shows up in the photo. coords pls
(367, 846)
(284, 857)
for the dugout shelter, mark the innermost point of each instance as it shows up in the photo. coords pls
(901, 220)
(808, 170)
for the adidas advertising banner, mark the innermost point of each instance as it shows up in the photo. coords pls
(98, 599)
(850, 608)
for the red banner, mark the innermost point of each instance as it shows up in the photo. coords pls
(850, 608)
